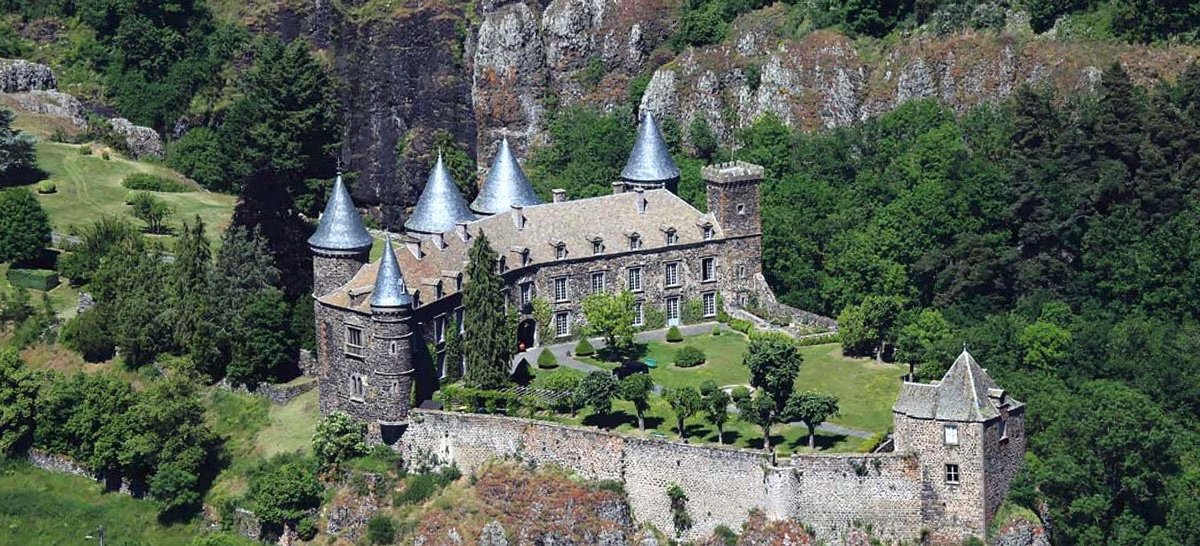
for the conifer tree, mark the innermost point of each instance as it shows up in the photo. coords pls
(486, 343)
(190, 287)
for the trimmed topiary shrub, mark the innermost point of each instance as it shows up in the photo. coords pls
(33, 279)
(547, 360)
(716, 330)
(46, 186)
(673, 335)
(584, 348)
(150, 182)
(689, 356)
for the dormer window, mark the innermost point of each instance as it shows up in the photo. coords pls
(560, 251)
(458, 282)
(708, 233)
(1002, 429)
(525, 260)
(416, 297)
(635, 242)
(672, 237)
(438, 291)
(597, 247)
(500, 265)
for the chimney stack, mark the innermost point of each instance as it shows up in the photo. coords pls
(641, 199)
(560, 195)
(618, 187)
(461, 228)
(518, 216)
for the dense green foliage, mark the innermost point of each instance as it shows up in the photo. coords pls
(16, 148)
(151, 182)
(487, 343)
(584, 348)
(673, 335)
(150, 209)
(24, 226)
(689, 356)
(685, 402)
(381, 529)
(546, 360)
(610, 316)
(636, 389)
(715, 402)
(597, 390)
(338, 439)
(33, 279)
(284, 488)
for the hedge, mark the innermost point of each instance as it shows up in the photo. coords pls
(150, 182)
(584, 348)
(689, 356)
(547, 360)
(34, 279)
(673, 335)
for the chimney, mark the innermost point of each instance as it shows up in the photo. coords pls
(414, 246)
(518, 216)
(560, 195)
(618, 187)
(461, 228)
(641, 200)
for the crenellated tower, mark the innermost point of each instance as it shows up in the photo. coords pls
(733, 201)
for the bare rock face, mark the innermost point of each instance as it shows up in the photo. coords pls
(492, 534)
(143, 142)
(1022, 533)
(49, 103)
(510, 76)
(19, 76)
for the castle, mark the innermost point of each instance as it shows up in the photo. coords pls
(381, 330)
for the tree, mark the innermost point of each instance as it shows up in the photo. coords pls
(700, 134)
(454, 353)
(813, 408)
(636, 388)
(774, 362)
(925, 336)
(870, 326)
(685, 402)
(24, 226)
(95, 240)
(597, 390)
(757, 409)
(338, 439)
(190, 287)
(1045, 344)
(198, 155)
(262, 346)
(17, 153)
(151, 210)
(88, 335)
(716, 406)
(18, 394)
(486, 342)
(284, 489)
(564, 383)
(611, 316)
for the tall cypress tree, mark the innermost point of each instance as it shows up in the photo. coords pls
(190, 287)
(486, 343)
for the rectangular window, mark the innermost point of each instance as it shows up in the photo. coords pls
(951, 435)
(709, 300)
(598, 282)
(597, 247)
(1002, 428)
(560, 252)
(952, 474)
(671, 273)
(354, 341)
(439, 324)
(672, 310)
(560, 289)
(639, 314)
(358, 387)
(458, 317)
(562, 324)
(635, 242)
(708, 233)
(526, 293)
(708, 269)
(672, 237)
(635, 279)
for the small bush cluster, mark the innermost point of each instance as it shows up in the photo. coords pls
(33, 279)
(46, 186)
(546, 360)
(150, 182)
(381, 529)
(741, 325)
(584, 348)
(420, 487)
(674, 335)
(689, 356)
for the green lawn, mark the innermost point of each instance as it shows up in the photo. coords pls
(291, 426)
(50, 509)
(89, 186)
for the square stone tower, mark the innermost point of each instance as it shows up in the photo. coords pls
(734, 203)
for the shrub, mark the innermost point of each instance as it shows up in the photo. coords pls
(46, 186)
(150, 182)
(307, 529)
(105, 156)
(547, 360)
(584, 348)
(381, 530)
(726, 535)
(741, 325)
(716, 330)
(33, 279)
(88, 335)
(689, 356)
(673, 335)
(338, 439)
(85, 149)
(417, 489)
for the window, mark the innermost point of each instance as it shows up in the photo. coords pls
(741, 271)
(708, 269)
(951, 435)
(437, 290)
(354, 341)
(358, 387)
(635, 242)
(952, 474)
(1002, 429)
(458, 317)
(560, 289)
(639, 314)
(562, 324)
(439, 325)
(597, 247)
(672, 237)
(635, 279)
(708, 233)
(393, 348)
(526, 293)
(525, 258)
(671, 273)
(560, 252)
(416, 297)
(741, 209)
(458, 282)
(500, 266)
(597, 282)
(672, 310)
(709, 300)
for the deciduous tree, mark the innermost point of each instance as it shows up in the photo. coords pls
(811, 407)
(636, 389)
(611, 316)
(685, 402)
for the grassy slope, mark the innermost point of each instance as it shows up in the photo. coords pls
(47, 508)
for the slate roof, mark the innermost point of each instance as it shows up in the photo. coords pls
(506, 185)
(649, 161)
(340, 227)
(965, 393)
(574, 223)
(440, 206)
(389, 289)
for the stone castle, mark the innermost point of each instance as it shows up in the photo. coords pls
(381, 330)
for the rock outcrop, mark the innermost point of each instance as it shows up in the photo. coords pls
(143, 142)
(19, 76)
(55, 104)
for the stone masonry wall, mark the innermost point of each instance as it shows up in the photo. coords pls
(830, 493)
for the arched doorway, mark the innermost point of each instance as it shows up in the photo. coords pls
(526, 334)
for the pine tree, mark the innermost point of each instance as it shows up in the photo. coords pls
(190, 283)
(486, 344)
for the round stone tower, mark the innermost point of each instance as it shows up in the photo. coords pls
(341, 243)
(390, 352)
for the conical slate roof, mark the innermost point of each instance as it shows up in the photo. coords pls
(649, 161)
(340, 228)
(441, 206)
(389, 288)
(506, 185)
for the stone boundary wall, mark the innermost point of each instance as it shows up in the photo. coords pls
(63, 464)
(830, 493)
(278, 394)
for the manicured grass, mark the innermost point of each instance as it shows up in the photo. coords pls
(89, 186)
(51, 509)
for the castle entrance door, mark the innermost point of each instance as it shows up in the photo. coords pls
(526, 334)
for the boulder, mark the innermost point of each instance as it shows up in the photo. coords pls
(143, 142)
(19, 76)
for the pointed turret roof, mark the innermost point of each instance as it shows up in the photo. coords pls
(649, 161)
(965, 393)
(389, 288)
(441, 206)
(505, 186)
(340, 227)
